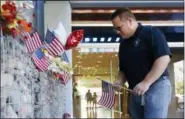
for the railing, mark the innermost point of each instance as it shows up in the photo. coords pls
(121, 108)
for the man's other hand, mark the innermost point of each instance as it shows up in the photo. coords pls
(141, 88)
(116, 85)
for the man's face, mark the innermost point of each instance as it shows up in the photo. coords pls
(122, 26)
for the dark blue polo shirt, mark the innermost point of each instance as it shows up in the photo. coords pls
(138, 53)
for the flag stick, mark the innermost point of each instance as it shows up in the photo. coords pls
(119, 95)
(118, 86)
(112, 113)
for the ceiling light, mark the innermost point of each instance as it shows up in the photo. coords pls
(78, 56)
(87, 39)
(95, 39)
(102, 39)
(100, 56)
(109, 39)
(117, 39)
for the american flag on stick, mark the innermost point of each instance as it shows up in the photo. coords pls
(55, 47)
(108, 96)
(40, 60)
(64, 77)
(32, 41)
(64, 57)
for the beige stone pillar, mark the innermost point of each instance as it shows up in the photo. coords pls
(172, 106)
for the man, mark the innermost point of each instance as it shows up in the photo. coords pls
(143, 59)
(94, 98)
(88, 97)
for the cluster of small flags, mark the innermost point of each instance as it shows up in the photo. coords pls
(54, 47)
(34, 46)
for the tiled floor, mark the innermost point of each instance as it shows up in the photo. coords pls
(96, 113)
(90, 112)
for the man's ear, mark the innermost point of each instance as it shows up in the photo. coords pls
(129, 19)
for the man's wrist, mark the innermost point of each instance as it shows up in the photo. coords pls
(148, 81)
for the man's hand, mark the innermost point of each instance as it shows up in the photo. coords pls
(141, 88)
(117, 85)
(158, 68)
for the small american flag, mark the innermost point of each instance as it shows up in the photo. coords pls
(64, 77)
(32, 41)
(108, 96)
(64, 57)
(40, 60)
(55, 47)
(1, 35)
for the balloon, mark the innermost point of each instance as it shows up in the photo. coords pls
(60, 33)
(74, 39)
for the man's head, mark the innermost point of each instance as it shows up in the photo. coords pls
(124, 22)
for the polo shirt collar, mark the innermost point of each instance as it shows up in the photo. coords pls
(133, 37)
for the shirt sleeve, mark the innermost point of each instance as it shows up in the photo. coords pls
(159, 44)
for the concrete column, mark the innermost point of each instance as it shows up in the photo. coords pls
(172, 77)
(172, 106)
(39, 20)
(56, 11)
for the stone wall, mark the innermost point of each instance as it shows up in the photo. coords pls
(25, 92)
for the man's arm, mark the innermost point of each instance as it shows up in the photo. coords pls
(160, 53)
(158, 68)
(120, 81)
(121, 77)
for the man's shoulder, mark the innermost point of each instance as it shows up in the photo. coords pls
(150, 28)
(147, 28)
(148, 31)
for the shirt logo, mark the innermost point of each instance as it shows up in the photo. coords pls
(136, 43)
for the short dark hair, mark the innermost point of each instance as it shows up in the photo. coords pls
(119, 12)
